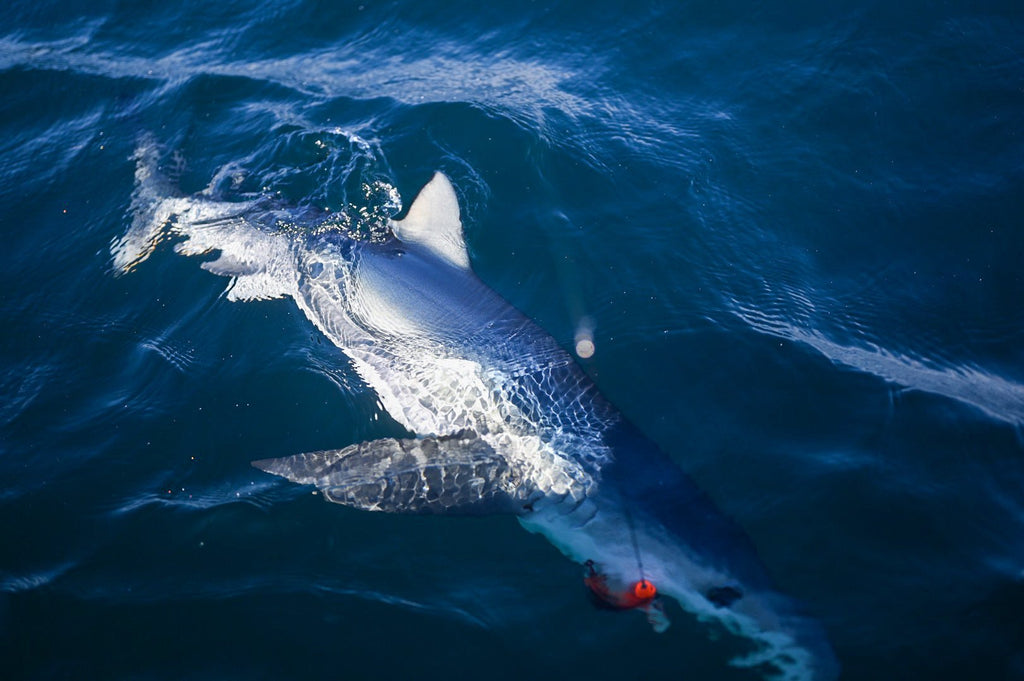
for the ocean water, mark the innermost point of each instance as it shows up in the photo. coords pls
(794, 230)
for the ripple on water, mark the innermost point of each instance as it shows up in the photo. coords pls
(995, 395)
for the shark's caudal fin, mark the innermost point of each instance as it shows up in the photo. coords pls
(456, 474)
(257, 261)
(153, 207)
(434, 223)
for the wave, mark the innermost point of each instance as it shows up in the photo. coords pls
(562, 99)
(996, 396)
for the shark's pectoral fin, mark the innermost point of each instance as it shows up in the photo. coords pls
(457, 474)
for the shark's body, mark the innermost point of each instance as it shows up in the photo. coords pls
(500, 417)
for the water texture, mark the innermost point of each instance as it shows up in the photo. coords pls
(793, 230)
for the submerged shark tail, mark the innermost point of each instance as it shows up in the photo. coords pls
(152, 209)
(258, 261)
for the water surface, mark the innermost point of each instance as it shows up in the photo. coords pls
(793, 229)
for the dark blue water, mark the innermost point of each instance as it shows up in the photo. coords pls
(796, 230)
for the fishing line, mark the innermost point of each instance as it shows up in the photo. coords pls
(633, 539)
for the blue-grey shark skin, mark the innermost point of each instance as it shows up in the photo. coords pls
(500, 417)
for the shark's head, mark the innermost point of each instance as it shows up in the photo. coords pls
(647, 527)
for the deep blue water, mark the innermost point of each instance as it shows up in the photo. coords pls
(796, 230)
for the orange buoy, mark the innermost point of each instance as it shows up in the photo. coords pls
(637, 595)
(644, 590)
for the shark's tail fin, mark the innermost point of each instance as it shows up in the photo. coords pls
(159, 212)
(152, 210)
(258, 261)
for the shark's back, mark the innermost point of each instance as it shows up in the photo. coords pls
(442, 349)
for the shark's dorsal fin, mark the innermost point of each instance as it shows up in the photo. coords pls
(433, 222)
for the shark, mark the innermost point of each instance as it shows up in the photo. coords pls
(500, 418)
